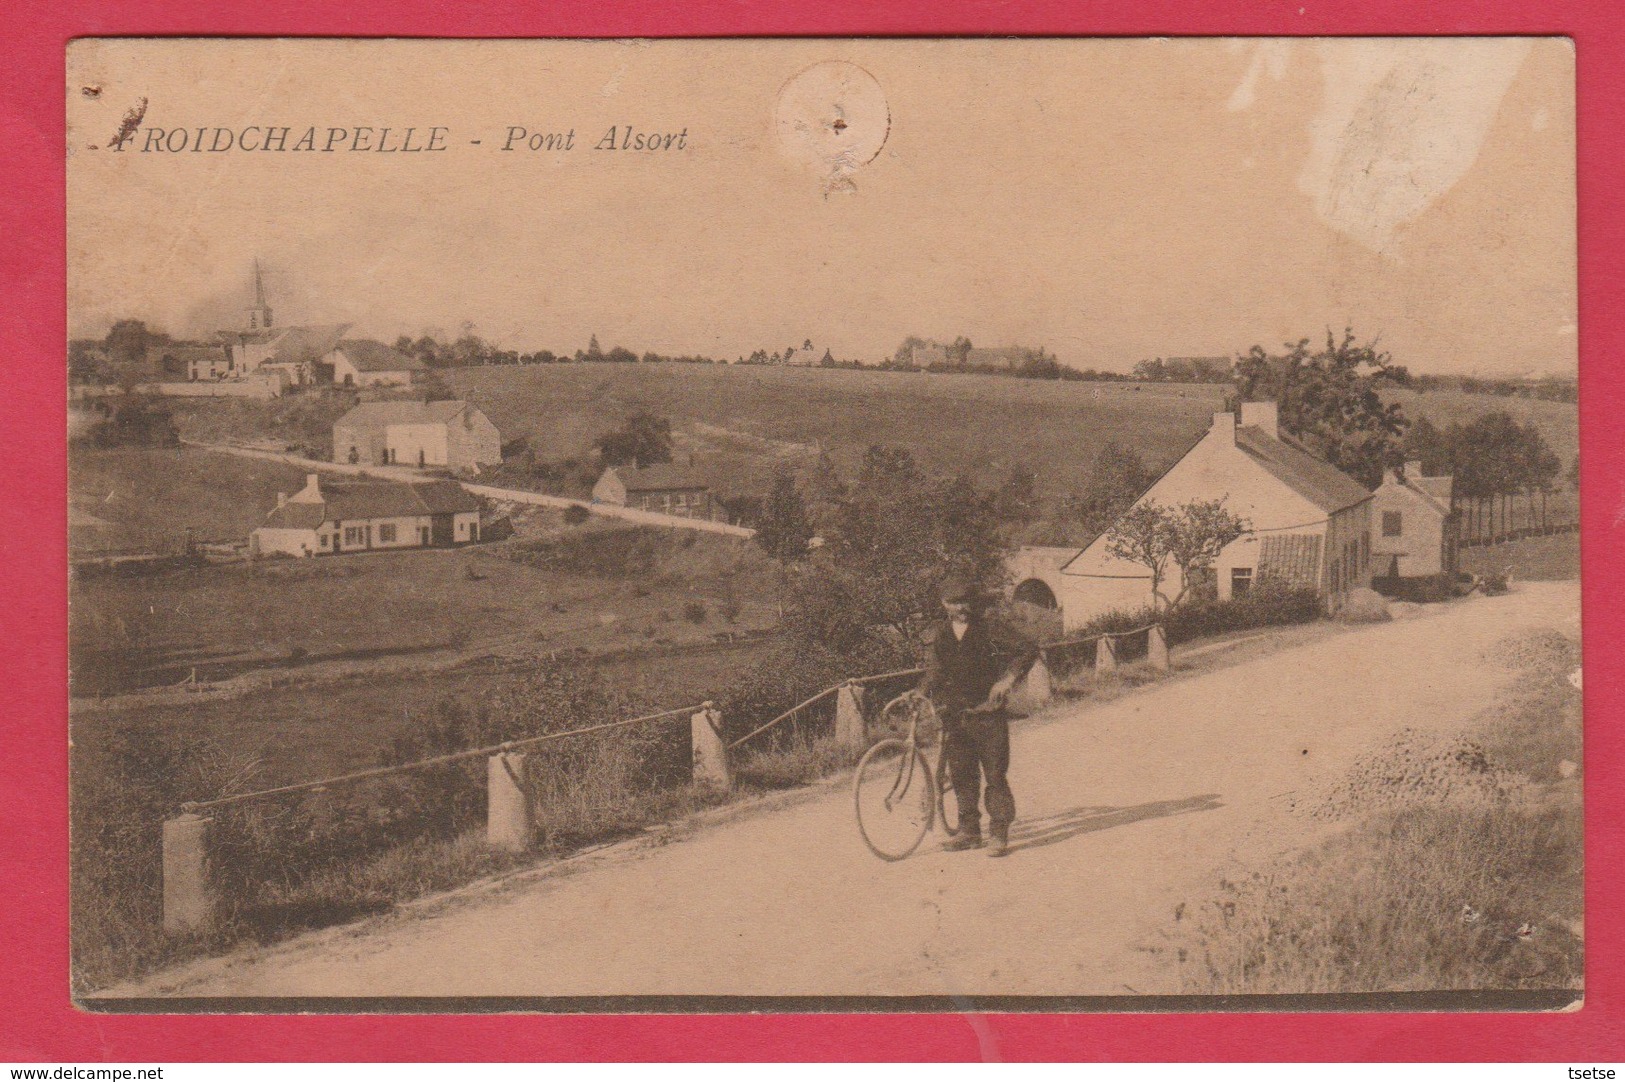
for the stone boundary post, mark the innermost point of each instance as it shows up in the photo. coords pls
(711, 766)
(850, 729)
(510, 821)
(1105, 654)
(188, 897)
(1036, 687)
(1157, 648)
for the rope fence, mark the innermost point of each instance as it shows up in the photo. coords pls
(519, 784)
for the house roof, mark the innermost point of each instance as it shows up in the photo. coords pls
(307, 345)
(663, 477)
(296, 516)
(1437, 487)
(1315, 479)
(374, 499)
(379, 414)
(370, 356)
(186, 353)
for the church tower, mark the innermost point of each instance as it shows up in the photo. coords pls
(259, 316)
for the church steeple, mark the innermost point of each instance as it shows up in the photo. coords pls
(259, 316)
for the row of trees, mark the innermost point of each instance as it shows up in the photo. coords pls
(1495, 461)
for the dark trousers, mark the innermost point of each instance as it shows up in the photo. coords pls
(979, 751)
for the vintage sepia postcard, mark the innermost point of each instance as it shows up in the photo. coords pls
(824, 525)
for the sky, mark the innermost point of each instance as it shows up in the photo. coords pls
(1110, 200)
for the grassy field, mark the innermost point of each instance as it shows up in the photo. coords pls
(740, 423)
(1538, 559)
(599, 586)
(149, 497)
(1558, 422)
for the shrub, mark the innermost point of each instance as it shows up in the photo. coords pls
(619, 552)
(1266, 605)
(1494, 583)
(576, 514)
(1426, 589)
(695, 612)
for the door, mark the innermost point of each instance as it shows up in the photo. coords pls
(440, 530)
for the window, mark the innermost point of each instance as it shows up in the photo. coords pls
(386, 533)
(1241, 580)
(355, 535)
(1365, 550)
(327, 540)
(1392, 524)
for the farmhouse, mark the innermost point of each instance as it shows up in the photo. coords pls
(663, 488)
(367, 515)
(453, 434)
(1413, 527)
(362, 362)
(1309, 522)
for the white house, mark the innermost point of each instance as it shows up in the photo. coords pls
(355, 517)
(362, 362)
(1412, 525)
(1309, 521)
(452, 433)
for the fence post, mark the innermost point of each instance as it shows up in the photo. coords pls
(711, 767)
(509, 819)
(1036, 687)
(1105, 655)
(850, 731)
(1157, 648)
(188, 899)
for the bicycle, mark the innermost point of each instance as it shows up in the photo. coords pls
(896, 792)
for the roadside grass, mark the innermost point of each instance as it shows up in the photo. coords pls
(1444, 889)
(1532, 559)
(1424, 899)
(799, 761)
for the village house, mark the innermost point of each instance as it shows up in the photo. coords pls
(663, 488)
(451, 434)
(363, 362)
(1413, 527)
(365, 516)
(1309, 522)
(297, 356)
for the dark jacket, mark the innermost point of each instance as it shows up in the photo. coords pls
(959, 673)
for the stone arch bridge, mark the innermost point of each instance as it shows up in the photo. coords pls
(1035, 574)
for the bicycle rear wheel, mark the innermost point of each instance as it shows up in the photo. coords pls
(895, 798)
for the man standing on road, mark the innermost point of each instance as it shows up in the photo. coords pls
(972, 664)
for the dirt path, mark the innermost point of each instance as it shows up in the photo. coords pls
(1126, 808)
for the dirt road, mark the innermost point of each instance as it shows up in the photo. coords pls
(1125, 809)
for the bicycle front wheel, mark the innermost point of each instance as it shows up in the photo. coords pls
(895, 797)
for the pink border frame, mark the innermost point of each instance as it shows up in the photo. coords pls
(37, 1022)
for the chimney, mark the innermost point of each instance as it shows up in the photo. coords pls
(1413, 470)
(311, 493)
(282, 499)
(1263, 416)
(1224, 426)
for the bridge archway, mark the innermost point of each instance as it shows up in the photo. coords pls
(1035, 592)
